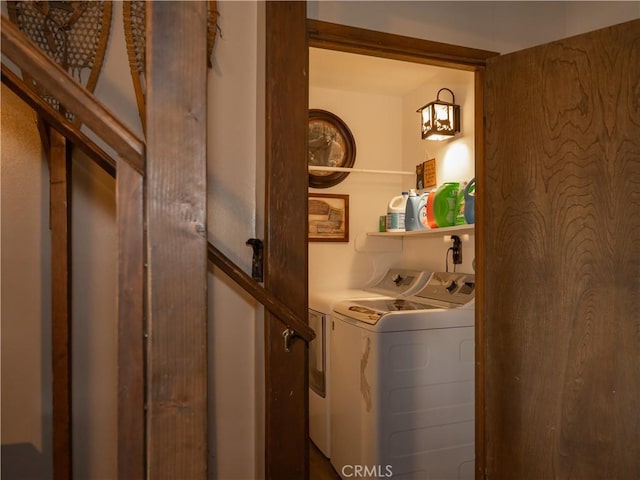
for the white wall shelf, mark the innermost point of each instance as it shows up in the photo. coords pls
(430, 232)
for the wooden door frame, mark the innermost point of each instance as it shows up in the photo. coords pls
(367, 42)
(285, 245)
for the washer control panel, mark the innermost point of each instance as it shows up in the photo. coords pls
(457, 288)
(400, 282)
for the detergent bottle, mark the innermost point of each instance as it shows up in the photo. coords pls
(414, 210)
(460, 219)
(422, 212)
(396, 212)
(441, 205)
(470, 201)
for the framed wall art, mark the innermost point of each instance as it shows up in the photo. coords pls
(331, 144)
(328, 217)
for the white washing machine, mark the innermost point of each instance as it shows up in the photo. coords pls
(395, 283)
(402, 383)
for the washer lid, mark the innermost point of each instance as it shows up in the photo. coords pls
(370, 311)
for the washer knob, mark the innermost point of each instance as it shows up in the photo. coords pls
(451, 286)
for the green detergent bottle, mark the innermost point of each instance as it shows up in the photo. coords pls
(444, 204)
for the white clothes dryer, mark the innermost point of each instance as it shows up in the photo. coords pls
(402, 383)
(395, 283)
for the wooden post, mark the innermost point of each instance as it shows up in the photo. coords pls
(130, 227)
(60, 224)
(286, 377)
(175, 208)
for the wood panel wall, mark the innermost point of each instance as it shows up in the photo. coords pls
(562, 259)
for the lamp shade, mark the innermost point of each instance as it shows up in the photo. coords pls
(440, 120)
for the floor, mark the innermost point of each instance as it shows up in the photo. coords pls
(319, 465)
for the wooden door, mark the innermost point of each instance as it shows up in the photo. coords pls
(559, 201)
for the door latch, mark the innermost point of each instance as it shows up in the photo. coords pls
(258, 258)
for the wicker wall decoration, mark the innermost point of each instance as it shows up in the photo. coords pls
(73, 33)
(134, 16)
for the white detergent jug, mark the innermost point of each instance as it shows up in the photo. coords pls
(416, 204)
(395, 213)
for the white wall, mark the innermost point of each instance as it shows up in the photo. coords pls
(26, 292)
(235, 383)
(375, 122)
(586, 16)
(498, 26)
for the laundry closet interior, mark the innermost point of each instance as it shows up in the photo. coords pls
(378, 98)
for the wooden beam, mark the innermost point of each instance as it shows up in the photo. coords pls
(175, 207)
(60, 224)
(286, 376)
(75, 98)
(130, 300)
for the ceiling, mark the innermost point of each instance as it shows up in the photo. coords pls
(362, 73)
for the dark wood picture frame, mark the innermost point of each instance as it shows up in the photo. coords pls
(331, 144)
(328, 217)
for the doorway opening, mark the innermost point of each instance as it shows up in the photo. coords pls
(376, 93)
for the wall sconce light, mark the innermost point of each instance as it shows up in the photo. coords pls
(440, 119)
